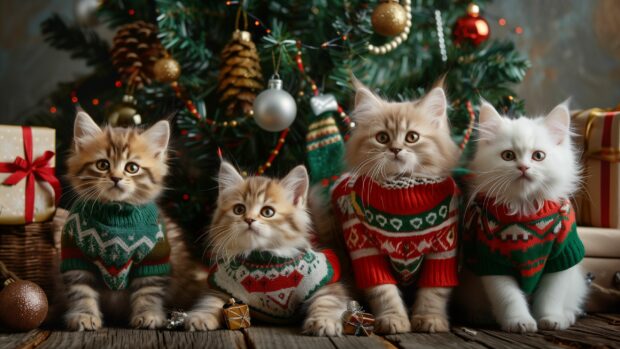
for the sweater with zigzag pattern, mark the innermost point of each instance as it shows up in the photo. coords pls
(400, 232)
(115, 240)
(525, 247)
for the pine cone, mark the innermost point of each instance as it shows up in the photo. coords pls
(135, 50)
(240, 77)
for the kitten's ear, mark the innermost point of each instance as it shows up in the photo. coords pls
(84, 128)
(228, 176)
(158, 136)
(558, 122)
(488, 115)
(297, 182)
(436, 104)
(365, 99)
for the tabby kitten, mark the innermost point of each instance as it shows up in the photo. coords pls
(116, 248)
(398, 208)
(260, 253)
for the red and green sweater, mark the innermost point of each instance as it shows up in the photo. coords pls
(115, 240)
(400, 232)
(274, 287)
(525, 247)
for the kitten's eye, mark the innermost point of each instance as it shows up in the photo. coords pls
(102, 165)
(132, 167)
(267, 211)
(539, 155)
(238, 209)
(509, 155)
(382, 137)
(412, 137)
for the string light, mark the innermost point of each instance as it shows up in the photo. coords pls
(95, 101)
(131, 12)
(502, 21)
(519, 30)
(470, 127)
(53, 110)
(118, 84)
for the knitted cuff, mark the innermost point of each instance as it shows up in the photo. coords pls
(372, 271)
(438, 273)
(572, 253)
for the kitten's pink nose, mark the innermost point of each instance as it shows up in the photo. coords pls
(249, 221)
(115, 179)
(395, 150)
(523, 168)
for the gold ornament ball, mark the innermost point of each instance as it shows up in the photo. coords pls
(125, 114)
(166, 70)
(389, 18)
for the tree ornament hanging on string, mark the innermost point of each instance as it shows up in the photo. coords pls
(274, 108)
(85, 12)
(240, 77)
(125, 114)
(390, 18)
(166, 70)
(471, 28)
(23, 304)
(135, 49)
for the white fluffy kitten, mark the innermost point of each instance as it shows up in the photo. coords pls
(523, 184)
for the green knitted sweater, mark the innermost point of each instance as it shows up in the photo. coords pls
(118, 240)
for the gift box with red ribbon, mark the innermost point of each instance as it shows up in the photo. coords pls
(598, 205)
(29, 190)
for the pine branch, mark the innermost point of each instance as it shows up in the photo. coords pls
(81, 43)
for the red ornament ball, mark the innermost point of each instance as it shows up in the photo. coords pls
(23, 305)
(471, 28)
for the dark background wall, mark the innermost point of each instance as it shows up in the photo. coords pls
(574, 47)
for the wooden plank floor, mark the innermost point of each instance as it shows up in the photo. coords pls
(595, 331)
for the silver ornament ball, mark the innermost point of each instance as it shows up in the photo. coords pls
(274, 108)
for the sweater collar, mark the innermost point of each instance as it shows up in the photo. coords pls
(502, 212)
(403, 196)
(117, 213)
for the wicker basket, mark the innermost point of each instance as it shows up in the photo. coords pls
(32, 251)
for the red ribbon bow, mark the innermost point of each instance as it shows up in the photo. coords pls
(22, 168)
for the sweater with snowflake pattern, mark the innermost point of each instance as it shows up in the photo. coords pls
(400, 232)
(523, 246)
(275, 287)
(115, 240)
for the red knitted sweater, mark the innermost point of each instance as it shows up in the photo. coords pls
(401, 231)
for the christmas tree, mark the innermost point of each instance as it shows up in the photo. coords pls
(202, 64)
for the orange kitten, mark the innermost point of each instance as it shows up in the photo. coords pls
(117, 173)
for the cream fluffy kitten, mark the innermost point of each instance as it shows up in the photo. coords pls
(509, 168)
(433, 155)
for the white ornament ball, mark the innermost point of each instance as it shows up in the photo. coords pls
(274, 108)
(86, 12)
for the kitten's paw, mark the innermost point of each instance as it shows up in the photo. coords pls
(556, 322)
(429, 323)
(391, 324)
(149, 320)
(83, 322)
(520, 324)
(202, 322)
(323, 326)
